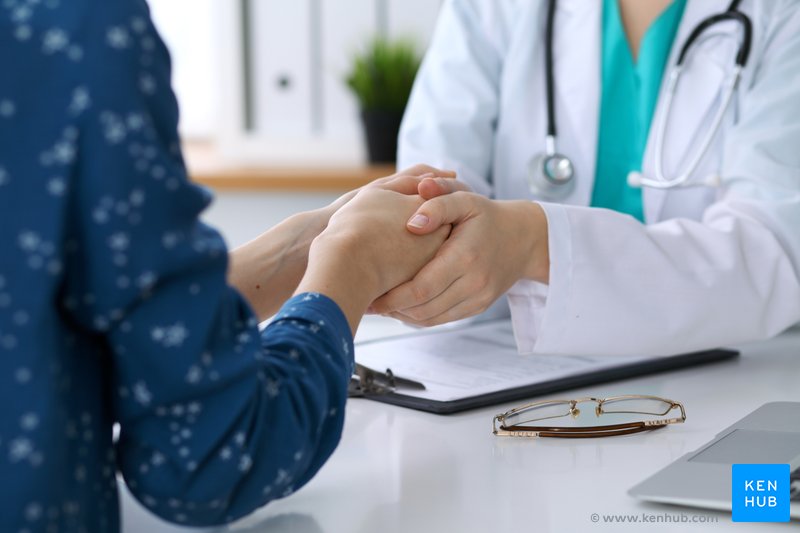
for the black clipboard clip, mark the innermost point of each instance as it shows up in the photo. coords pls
(368, 382)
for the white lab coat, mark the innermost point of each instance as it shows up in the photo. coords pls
(711, 267)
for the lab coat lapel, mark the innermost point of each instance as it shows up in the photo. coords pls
(577, 49)
(694, 101)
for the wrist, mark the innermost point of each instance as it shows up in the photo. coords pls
(336, 270)
(267, 269)
(536, 259)
(308, 226)
(343, 255)
(315, 221)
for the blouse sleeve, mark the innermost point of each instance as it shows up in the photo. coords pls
(216, 418)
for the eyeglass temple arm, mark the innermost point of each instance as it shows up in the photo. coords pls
(495, 420)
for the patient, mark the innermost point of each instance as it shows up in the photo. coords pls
(114, 302)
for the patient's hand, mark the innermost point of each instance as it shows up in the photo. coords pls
(366, 250)
(407, 181)
(267, 270)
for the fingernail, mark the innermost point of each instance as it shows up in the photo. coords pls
(418, 221)
(428, 175)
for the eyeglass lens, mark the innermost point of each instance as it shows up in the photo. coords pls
(621, 409)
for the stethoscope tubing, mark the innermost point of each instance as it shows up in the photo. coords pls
(661, 181)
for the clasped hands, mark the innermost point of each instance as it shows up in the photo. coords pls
(431, 250)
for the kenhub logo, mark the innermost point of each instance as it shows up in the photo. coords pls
(760, 493)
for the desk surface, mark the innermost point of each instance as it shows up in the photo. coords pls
(398, 470)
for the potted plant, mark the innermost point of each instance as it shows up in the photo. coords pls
(381, 78)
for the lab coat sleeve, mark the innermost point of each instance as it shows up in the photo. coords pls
(451, 115)
(216, 419)
(618, 287)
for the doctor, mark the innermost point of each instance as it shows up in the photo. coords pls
(625, 217)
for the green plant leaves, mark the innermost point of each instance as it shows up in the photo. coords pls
(382, 76)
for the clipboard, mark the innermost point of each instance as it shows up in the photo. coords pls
(477, 365)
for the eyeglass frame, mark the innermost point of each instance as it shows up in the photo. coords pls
(611, 430)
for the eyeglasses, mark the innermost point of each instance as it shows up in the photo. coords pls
(517, 422)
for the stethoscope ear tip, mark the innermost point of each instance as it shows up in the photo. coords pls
(635, 179)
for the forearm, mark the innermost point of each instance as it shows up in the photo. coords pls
(334, 272)
(267, 270)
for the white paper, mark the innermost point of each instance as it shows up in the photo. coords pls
(473, 360)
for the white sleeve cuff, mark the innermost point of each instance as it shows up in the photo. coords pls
(537, 309)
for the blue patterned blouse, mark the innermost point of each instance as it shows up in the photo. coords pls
(114, 305)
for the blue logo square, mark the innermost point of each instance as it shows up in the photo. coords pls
(760, 493)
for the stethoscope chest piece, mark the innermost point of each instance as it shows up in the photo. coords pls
(551, 176)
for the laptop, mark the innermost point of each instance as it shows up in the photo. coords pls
(770, 434)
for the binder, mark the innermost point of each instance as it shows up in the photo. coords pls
(476, 365)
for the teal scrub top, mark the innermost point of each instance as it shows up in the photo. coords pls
(629, 94)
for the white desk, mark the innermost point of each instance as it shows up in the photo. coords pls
(398, 470)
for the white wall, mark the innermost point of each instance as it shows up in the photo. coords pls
(242, 216)
(190, 30)
(309, 42)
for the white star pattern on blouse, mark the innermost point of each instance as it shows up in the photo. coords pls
(141, 393)
(7, 109)
(29, 421)
(81, 100)
(56, 186)
(118, 37)
(54, 41)
(170, 336)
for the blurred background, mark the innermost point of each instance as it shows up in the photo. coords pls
(287, 105)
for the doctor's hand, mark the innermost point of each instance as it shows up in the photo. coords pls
(365, 250)
(493, 244)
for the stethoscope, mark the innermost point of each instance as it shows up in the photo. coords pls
(552, 175)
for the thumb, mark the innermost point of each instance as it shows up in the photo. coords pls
(441, 211)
